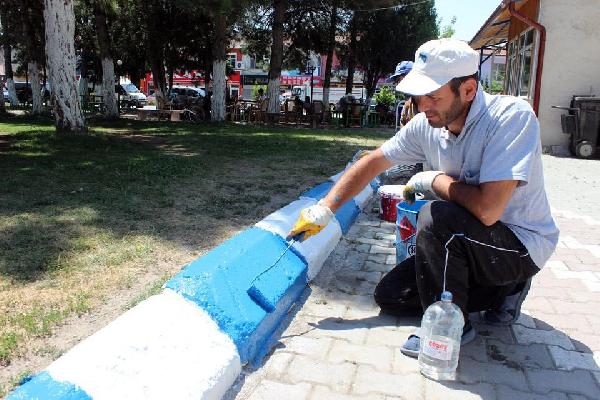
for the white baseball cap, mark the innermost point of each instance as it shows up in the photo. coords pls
(436, 63)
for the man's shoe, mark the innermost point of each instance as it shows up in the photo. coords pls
(510, 310)
(412, 345)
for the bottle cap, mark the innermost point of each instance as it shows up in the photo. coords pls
(446, 296)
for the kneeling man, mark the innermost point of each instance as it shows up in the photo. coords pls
(492, 229)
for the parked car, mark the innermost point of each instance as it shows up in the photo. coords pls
(23, 90)
(130, 95)
(188, 91)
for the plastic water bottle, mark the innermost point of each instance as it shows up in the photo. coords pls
(441, 331)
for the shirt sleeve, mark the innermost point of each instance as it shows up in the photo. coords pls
(405, 148)
(512, 148)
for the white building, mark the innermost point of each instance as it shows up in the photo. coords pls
(552, 54)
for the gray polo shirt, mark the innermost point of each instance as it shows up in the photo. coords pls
(500, 141)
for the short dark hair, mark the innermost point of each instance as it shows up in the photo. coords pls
(456, 82)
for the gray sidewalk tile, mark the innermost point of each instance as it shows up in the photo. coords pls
(570, 360)
(376, 249)
(507, 393)
(585, 342)
(325, 393)
(276, 365)
(475, 350)
(316, 348)
(368, 380)
(324, 308)
(529, 356)
(390, 336)
(502, 333)
(579, 381)
(570, 321)
(379, 357)
(404, 365)
(337, 376)
(352, 331)
(269, 390)
(458, 391)
(471, 372)
(552, 337)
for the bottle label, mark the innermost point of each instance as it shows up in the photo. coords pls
(438, 349)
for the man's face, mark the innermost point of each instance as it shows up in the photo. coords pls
(443, 106)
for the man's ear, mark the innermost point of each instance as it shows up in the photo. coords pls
(469, 89)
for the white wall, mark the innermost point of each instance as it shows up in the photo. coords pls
(571, 62)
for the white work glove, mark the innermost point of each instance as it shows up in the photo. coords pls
(311, 221)
(419, 183)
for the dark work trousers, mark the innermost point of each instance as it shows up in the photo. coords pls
(479, 276)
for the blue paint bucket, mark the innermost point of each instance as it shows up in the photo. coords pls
(406, 229)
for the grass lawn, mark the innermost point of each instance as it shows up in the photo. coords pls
(101, 221)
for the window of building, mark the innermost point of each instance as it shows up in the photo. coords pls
(232, 59)
(520, 64)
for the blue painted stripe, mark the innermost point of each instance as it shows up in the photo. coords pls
(346, 215)
(319, 191)
(375, 183)
(218, 282)
(43, 386)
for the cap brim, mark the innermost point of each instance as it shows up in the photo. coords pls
(418, 84)
(391, 78)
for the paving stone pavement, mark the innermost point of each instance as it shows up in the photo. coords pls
(338, 346)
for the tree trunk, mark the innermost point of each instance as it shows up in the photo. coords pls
(351, 56)
(36, 88)
(60, 52)
(156, 52)
(10, 81)
(330, 49)
(219, 69)
(109, 97)
(171, 72)
(2, 105)
(279, 7)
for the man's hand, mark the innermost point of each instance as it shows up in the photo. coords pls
(420, 183)
(311, 221)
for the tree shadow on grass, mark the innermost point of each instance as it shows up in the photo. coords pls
(192, 187)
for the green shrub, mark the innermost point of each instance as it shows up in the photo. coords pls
(385, 98)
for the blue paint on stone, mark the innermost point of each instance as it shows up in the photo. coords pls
(43, 386)
(375, 183)
(319, 191)
(269, 287)
(346, 215)
(219, 281)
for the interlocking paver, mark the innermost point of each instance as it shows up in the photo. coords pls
(336, 375)
(552, 337)
(325, 393)
(570, 360)
(380, 357)
(316, 348)
(409, 386)
(530, 356)
(579, 381)
(507, 393)
(471, 372)
(339, 347)
(269, 390)
(458, 391)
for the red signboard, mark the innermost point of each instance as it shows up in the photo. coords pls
(299, 80)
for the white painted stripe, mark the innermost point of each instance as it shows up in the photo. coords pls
(164, 348)
(316, 248)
